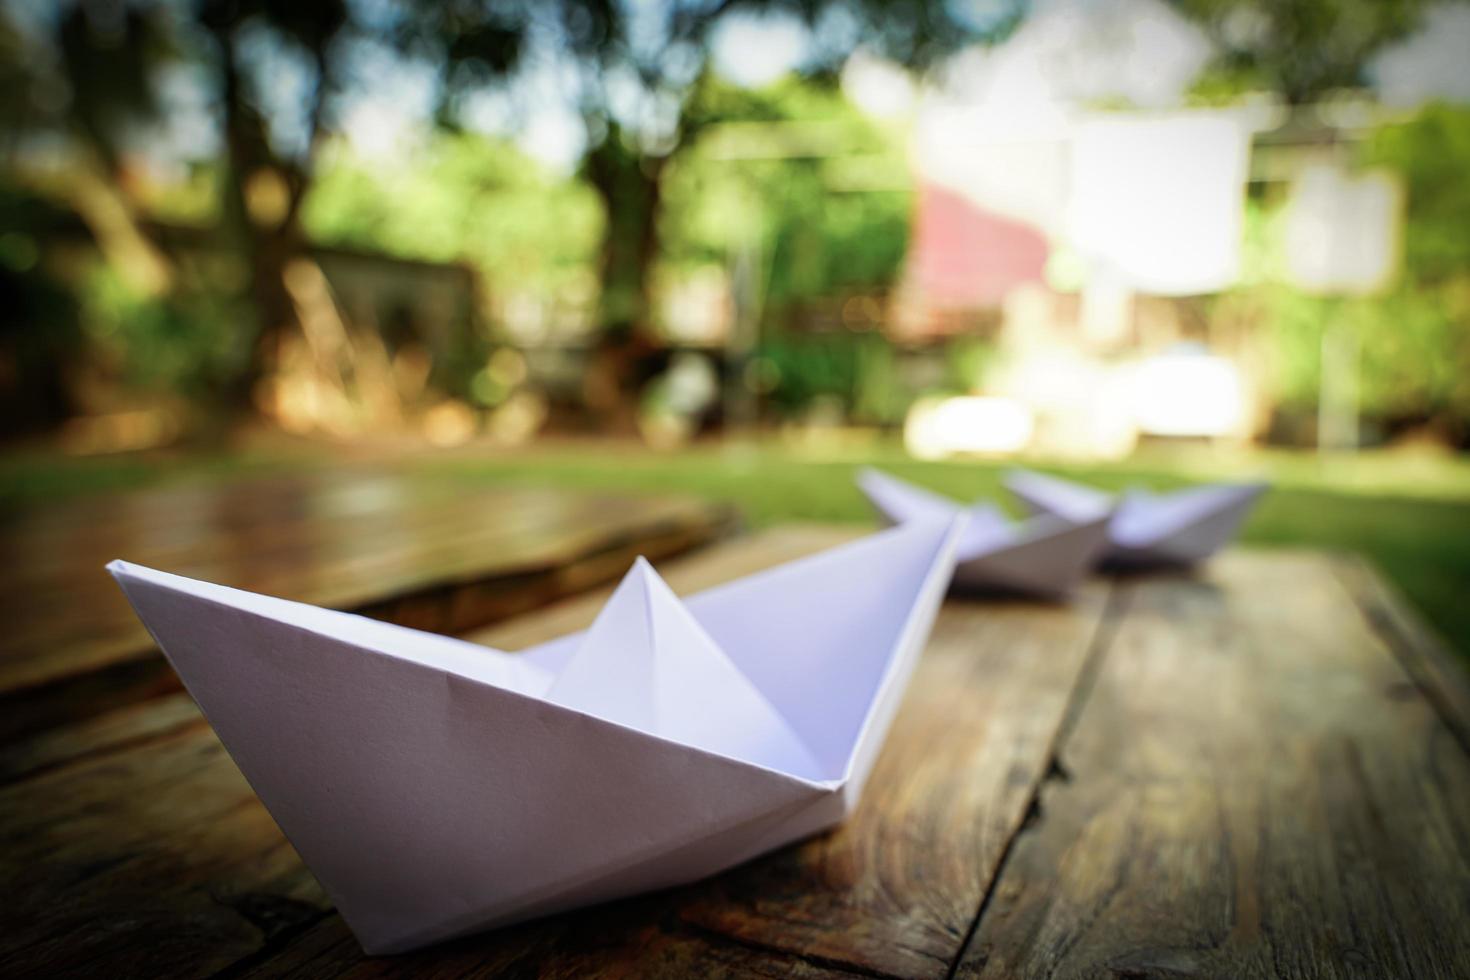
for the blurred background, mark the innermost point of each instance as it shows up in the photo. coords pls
(739, 248)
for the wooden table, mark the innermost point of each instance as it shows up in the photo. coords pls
(1260, 771)
(430, 553)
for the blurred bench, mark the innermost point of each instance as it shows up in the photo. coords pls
(431, 553)
(1259, 771)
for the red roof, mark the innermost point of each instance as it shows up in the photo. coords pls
(964, 257)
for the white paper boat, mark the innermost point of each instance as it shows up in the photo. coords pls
(1044, 556)
(1177, 528)
(437, 787)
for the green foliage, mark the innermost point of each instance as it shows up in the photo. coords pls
(1414, 351)
(1224, 84)
(192, 342)
(807, 367)
(1432, 153)
(466, 198)
(795, 176)
(1415, 337)
(1301, 49)
(967, 360)
(463, 197)
(879, 395)
(775, 168)
(857, 371)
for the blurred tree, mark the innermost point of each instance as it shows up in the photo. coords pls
(795, 179)
(630, 70)
(87, 85)
(1415, 336)
(267, 174)
(1432, 153)
(463, 197)
(272, 70)
(98, 77)
(1416, 355)
(795, 170)
(33, 361)
(1300, 49)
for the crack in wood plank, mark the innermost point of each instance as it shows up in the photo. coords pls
(1252, 795)
(826, 963)
(1056, 771)
(1433, 669)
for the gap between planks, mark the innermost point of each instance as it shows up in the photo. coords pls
(812, 936)
(1338, 854)
(1107, 628)
(1440, 676)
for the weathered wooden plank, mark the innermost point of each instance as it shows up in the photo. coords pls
(138, 821)
(892, 892)
(154, 860)
(1438, 672)
(105, 733)
(426, 553)
(163, 843)
(1254, 788)
(895, 889)
(628, 939)
(345, 543)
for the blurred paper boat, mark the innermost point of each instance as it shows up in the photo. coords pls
(1178, 528)
(1045, 556)
(437, 787)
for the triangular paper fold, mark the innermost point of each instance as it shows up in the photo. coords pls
(648, 664)
(1177, 528)
(1043, 494)
(437, 787)
(1044, 556)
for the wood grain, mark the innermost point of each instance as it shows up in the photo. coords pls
(1254, 788)
(894, 889)
(138, 820)
(629, 939)
(152, 860)
(425, 553)
(1228, 775)
(108, 732)
(1424, 655)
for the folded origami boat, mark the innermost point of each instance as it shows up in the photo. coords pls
(1045, 555)
(1178, 528)
(436, 787)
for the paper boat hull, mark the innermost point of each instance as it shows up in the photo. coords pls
(1049, 561)
(820, 810)
(1181, 528)
(433, 801)
(1196, 541)
(1045, 557)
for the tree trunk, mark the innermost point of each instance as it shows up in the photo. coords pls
(268, 251)
(629, 184)
(266, 242)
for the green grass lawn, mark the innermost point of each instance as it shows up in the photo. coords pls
(1408, 513)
